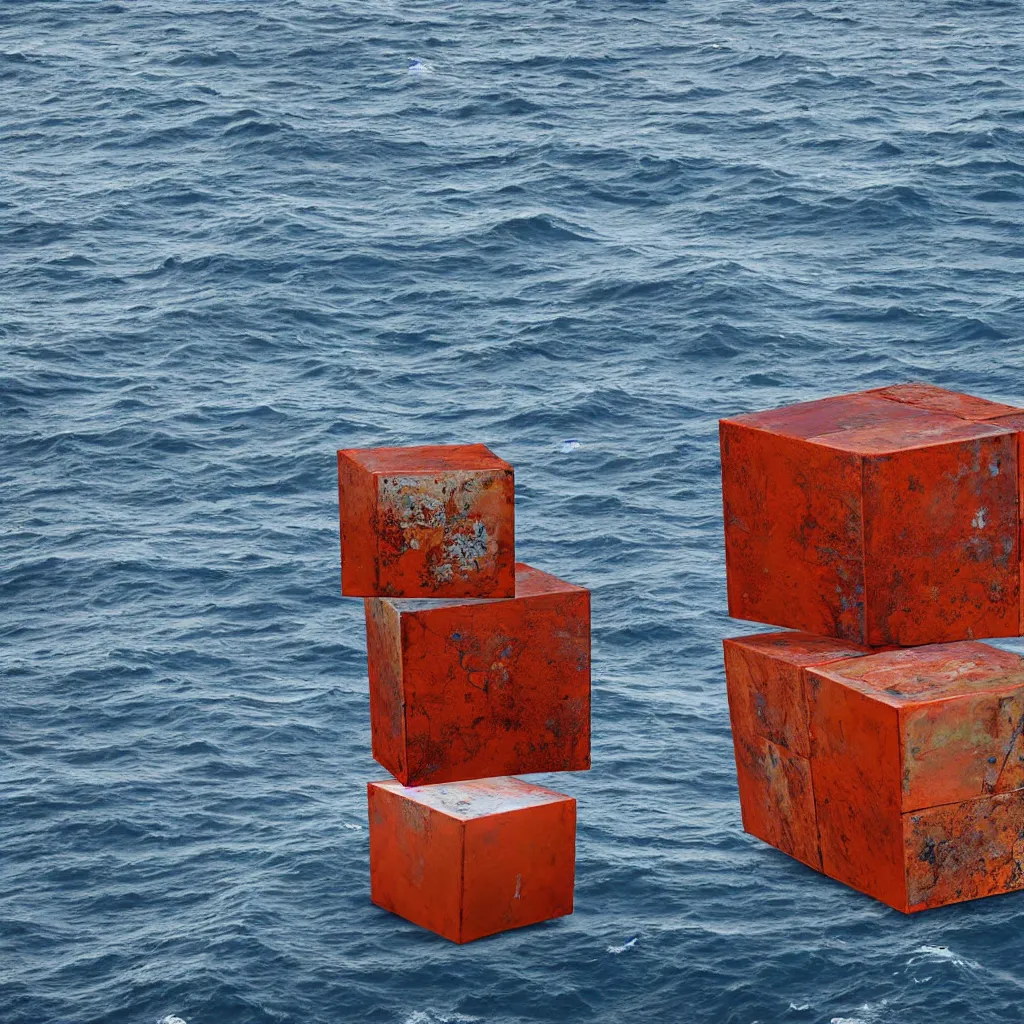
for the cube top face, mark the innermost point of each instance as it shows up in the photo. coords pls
(529, 582)
(800, 649)
(866, 423)
(466, 876)
(936, 399)
(938, 672)
(426, 460)
(822, 417)
(874, 520)
(477, 798)
(467, 689)
(431, 522)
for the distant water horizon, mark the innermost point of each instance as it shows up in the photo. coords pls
(236, 237)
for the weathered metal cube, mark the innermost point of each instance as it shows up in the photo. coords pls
(918, 771)
(883, 517)
(765, 677)
(435, 521)
(469, 859)
(464, 689)
(899, 772)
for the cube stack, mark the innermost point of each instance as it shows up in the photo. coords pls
(479, 670)
(878, 741)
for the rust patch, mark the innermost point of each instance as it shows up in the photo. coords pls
(434, 522)
(964, 850)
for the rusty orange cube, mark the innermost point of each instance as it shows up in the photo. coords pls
(765, 678)
(435, 521)
(883, 517)
(464, 689)
(917, 762)
(469, 859)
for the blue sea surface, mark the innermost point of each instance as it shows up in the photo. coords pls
(236, 236)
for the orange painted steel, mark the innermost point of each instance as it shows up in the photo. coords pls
(465, 689)
(765, 677)
(470, 859)
(432, 522)
(899, 772)
(883, 517)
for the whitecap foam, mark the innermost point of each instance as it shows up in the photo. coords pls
(628, 944)
(941, 954)
(433, 1017)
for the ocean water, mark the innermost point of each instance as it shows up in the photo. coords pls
(236, 236)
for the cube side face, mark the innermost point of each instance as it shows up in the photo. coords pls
(416, 857)
(941, 536)
(855, 758)
(446, 535)
(357, 491)
(964, 850)
(387, 695)
(764, 680)
(497, 688)
(1016, 423)
(793, 532)
(519, 868)
(777, 797)
(768, 715)
(963, 748)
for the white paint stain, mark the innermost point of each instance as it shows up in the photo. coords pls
(519, 888)
(980, 518)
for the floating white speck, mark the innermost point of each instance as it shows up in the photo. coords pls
(628, 944)
(420, 67)
(570, 444)
(172, 1018)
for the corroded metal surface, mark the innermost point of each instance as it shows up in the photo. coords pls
(855, 765)
(768, 714)
(765, 682)
(960, 714)
(432, 522)
(910, 750)
(480, 858)
(485, 687)
(777, 798)
(964, 850)
(793, 532)
(941, 542)
(875, 519)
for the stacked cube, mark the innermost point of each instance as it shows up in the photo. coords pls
(880, 743)
(479, 670)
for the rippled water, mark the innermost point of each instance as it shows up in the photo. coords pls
(235, 237)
